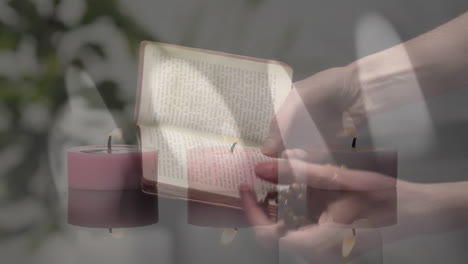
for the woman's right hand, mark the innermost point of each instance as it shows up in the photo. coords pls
(344, 199)
(313, 113)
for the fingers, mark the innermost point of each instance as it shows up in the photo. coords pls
(278, 171)
(280, 125)
(265, 230)
(267, 171)
(254, 213)
(324, 177)
(315, 242)
(314, 156)
(273, 144)
(299, 154)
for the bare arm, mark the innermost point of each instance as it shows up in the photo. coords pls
(313, 111)
(427, 64)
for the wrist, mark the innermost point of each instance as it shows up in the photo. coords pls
(422, 209)
(432, 208)
(451, 199)
(386, 79)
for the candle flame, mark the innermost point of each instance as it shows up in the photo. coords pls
(230, 140)
(349, 127)
(350, 131)
(116, 133)
(228, 235)
(348, 244)
(117, 234)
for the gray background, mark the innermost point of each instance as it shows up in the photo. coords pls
(309, 35)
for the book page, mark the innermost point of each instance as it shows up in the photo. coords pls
(172, 144)
(220, 170)
(210, 92)
(202, 163)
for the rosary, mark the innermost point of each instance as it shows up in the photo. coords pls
(294, 212)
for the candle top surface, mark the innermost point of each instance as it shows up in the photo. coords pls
(350, 149)
(229, 150)
(116, 149)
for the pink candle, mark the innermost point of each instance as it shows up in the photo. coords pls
(104, 186)
(96, 168)
(111, 209)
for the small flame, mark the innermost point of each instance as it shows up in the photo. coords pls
(348, 245)
(229, 139)
(348, 125)
(350, 131)
(117, 234)
(228, 235)
(116, 133)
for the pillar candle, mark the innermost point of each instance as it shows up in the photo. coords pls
(104, 186)
(111, 209)
(97, 168)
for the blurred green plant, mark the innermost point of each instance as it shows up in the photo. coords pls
(47, 87)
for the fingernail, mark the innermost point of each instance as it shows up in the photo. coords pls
(267, 150)
(243, 188)
(299, 154)
(264, 169)
(268, 147)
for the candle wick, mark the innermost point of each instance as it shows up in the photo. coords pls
(353, 145)
(109, 144)
(233, 146)
(110, 230)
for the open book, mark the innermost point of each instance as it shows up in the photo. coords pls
(192, 106)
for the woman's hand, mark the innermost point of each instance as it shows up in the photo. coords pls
(344, 199)
(314, 111)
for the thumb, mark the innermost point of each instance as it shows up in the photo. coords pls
(273, 143)
(281, 124)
